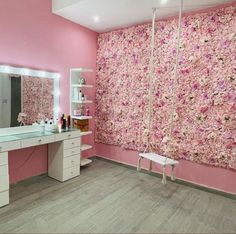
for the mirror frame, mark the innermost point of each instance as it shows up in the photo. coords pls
(40, 74)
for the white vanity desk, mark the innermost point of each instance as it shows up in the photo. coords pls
(64, 150)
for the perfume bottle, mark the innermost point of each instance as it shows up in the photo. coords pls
(87, 111)
(81, 81)
(83, 98)
(68, 121)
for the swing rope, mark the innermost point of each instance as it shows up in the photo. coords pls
(153, 157)
(151, 85)
(151, 76)
(176, 73)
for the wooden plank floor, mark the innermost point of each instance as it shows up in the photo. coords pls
(108, 198)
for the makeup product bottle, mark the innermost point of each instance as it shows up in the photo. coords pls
(63, 123)
(87, 111)
(83, 97)
(68, 121)
(82, 81)
(66, 124)
(59, 126)
(61, 119)
(80, 95)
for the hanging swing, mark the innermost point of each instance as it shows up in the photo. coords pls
(148, 152)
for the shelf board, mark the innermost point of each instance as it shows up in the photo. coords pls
(85, 161)
(81, 117)
(81, 86)
(81, 102)
(86, 147)
(81, 70)
(86, 133)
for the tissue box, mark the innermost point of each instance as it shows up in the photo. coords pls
(83, 125)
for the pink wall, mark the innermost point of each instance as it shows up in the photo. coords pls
(32, 37)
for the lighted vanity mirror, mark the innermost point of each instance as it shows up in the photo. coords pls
(31, 92)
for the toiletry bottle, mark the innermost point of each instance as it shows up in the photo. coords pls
(83, 98)
(59, 125)
(80, 95)
(68, 121)
(64, 123)
(87, 111)
(62, 117)
(82, 81)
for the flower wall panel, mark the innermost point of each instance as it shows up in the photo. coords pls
(37, 98)
(205, 118)
(31, 98)
(48, 98)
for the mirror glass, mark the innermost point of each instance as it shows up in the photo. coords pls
(30, 95)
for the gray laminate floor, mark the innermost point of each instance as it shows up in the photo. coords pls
(108, 198)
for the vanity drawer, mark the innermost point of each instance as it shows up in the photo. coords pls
(4, 198)
(8, 146)
(4, 183)
(3, 159)
(37, 141)
(71, 152)
(73, 143)
(71, 161)
(70, 173)
(3, 171)
(67, 135)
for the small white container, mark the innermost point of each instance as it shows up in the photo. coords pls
(42, 128)
(76, 94)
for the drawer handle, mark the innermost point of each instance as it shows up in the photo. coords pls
(72, 173)
(72, 143)
(72, 152)
(72, 161)
(40, 140)
(69, 135)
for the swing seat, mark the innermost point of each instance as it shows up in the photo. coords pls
(162, 160)
(158, 159)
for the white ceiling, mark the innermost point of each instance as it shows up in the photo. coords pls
(106, 15)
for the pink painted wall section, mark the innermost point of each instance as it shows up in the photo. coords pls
(208, 176)
(33, 37)
(27, 162)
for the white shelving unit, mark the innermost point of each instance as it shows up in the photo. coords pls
(86, 147)
(85, 162)
(75, 75)
(81, 86)
(82, 117)
(82, 102)
(86, 133)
